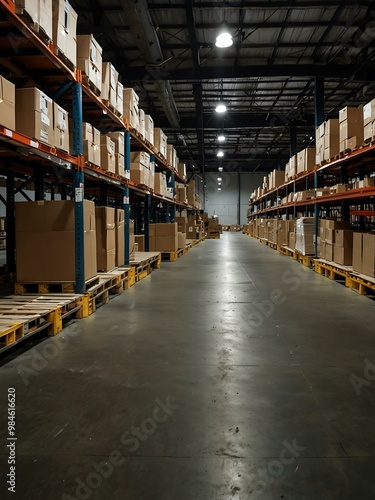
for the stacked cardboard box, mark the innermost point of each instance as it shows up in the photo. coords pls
(191, 192)
(7, 104)
(141, 128)
(131, 107)
(305, 231)
(213, 227)
(40, 11)
(64, 28)
(292, 167)
(305, 160)
(140, 240)
(160, 186)
(181, 240)
(171, 156)
(160, 141)
(343, 247)
(275, 179)
(149, 129)
(61, 128)
(45, 241)
(109, 84)
(351, 127)
(91, 144)
(181, 194)
(181, 167)
(89, 60)
(327, 233)
(119, 237)
(364, 253)
(34, 115)
(120, 99)
(319, 144)
(163, 237)
(140, 167)
(369, 120)
(119, 142)
(107, 154)
(331, 139)
(105, 238)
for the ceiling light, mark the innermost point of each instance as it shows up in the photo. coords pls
(220, 154)
(219, 179)
(220, 108)
(219, 184)
(221, 138)
(224, 38)
(220, 169)
(219, 188)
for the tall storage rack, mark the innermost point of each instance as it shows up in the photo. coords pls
(33, 62)
(357, 205)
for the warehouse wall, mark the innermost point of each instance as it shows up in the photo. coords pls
(224, 203)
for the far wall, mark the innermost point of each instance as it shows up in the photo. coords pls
(234, 194)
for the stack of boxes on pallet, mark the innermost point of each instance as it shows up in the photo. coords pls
(167, 237)
(212, 227)
(192, 225)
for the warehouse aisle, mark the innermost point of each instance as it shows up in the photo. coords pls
(232, 373)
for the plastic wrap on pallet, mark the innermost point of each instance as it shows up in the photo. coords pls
(305, 230)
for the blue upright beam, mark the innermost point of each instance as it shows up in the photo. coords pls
(126, 204)
(78, 185)
(62, 90)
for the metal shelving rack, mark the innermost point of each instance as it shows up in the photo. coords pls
(355, 203)
(36, 163)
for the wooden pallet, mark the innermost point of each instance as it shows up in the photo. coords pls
(33, 25)
(142, 265)
(360, 283)
(332, 270)
(51, 287)
(272, 245)
(305, 260)
(285, 250)
(173, 256)
(24, 315)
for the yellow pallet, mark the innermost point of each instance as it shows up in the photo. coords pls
(361, 284)
(173, 256)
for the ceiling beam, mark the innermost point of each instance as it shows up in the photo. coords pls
(254, 71)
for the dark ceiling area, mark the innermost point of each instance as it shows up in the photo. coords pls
(282, 51)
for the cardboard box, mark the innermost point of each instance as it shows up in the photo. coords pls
(131, 107)
(120, 237)
(149, 129)
(40, 11)
(166, 243)
(181, 167)
(368, 131)
(7, 104)
(329, 252)
(369, 112)
(89, 59)
(331, 136)
(142, 129)
(120, 165)
(165, 229)
(105, 238)
(119, 139)
(61, 127)
(343, 255)
(140, 158)
(91, 144)
(140, 240)
(139, 174)
(107, 154)
(34, 115)
(64, 29)
(181, 194)
(160, 186)
(109, 84)
(343, 238)
(45, 237)
(181, 240)
(133, 247)
(160, 141)
(368, 254)
(120, 98)
(171, 156)
(357, 251)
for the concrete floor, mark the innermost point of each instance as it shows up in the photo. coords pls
(234, 373)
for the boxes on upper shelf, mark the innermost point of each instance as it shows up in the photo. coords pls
(45, 237)
(181, 167)
(141, 128)
(120, 99)
(160, 184)
(91, 144)
(131, 107)
(89, 59)
(40, 11)
(149, 129)
(61, 127)
(171, 156)
(34, 115)
(119, 140)
(306, 160)
(160, 141)
(107, 154)
(140, 158)
(7, 104)
(65, 30)
(351, 127)
(109, 84)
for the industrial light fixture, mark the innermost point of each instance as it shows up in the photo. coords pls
(221, 108)
(219, 188)
(224, 38)
(220, 169)
(219, 184)
(221, 138)
(220, 154)
(219, 179)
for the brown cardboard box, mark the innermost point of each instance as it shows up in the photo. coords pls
(120, 237)
(331, 136)
(329, 252)
(368, 254)
(369, 112)
(61, 127)
(119, 139)
(40, 11)
(120, 99)
(165, 229)
(343, 255)
(34, 115)
(107, 154)
(160, 183)
(181, 240)
(142, 124)
(105, 238)
(357, 251)
(45, 237)
(64, 28)
(160, 141)
(131, 107)
(149, 129)
(293, 166)
(120, 165)
(329, 236)
(133, 247)
(343, 238)
(89, 59)
(140, 158)
(139, 174)
(368, 131)
(7, 104)
(91, 144)
(140, 239)
(322, 249)
(352, 125)
(166, 243)
(181, 167)
(182, 194)
(109, 83)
